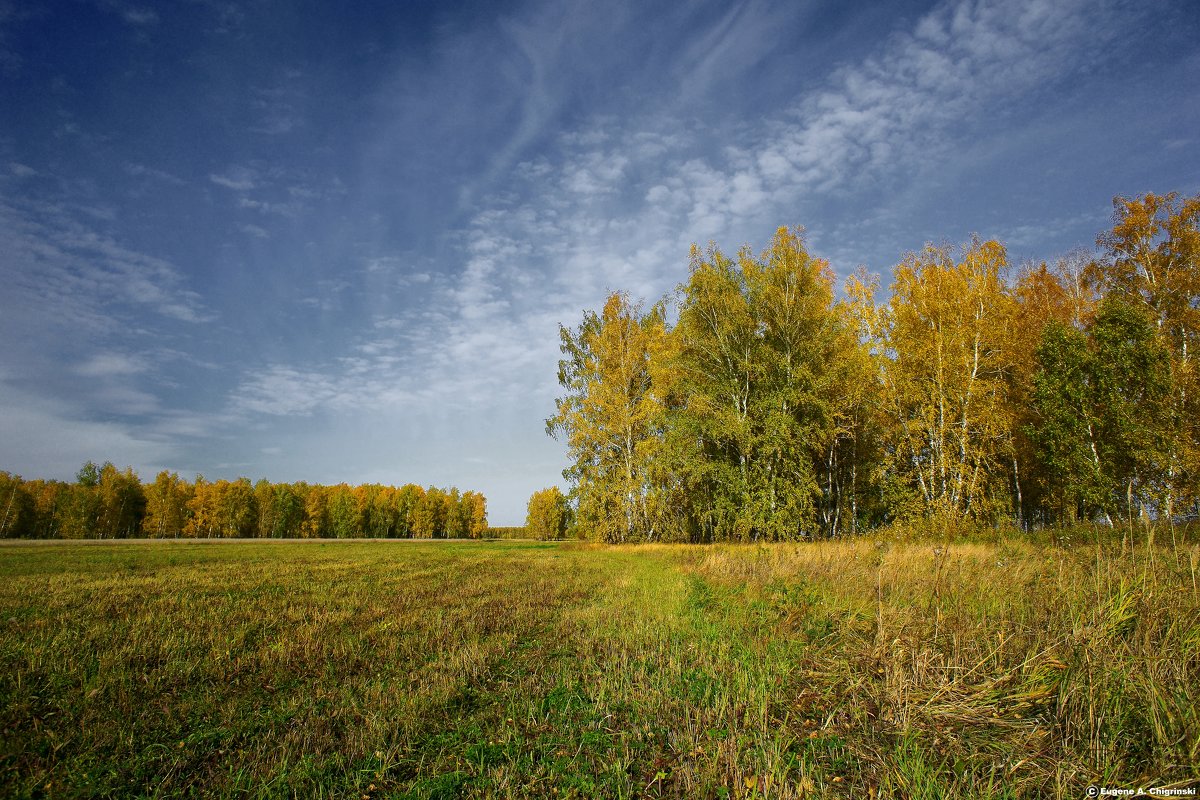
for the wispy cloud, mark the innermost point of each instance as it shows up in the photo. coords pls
(63, 266)
(87, 319)
(139, 16)
(237, 178)
(615, 206)
(256, 231)
(141, 170)
(110, 364)
(44, 436)
(279, 107)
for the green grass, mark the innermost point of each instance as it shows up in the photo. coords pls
(500, 669)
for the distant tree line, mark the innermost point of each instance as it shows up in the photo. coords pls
(756, 404)
(108, 503)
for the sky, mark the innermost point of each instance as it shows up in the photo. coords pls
(334, 243)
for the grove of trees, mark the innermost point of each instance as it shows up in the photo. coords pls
(549, 514)
(755, 403)
(105, 503)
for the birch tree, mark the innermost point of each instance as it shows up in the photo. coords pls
(609, 417)
(947, 331)
(755, 349)
(1152, 261)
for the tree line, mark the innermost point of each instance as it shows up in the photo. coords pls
(107, 503)
(757, 403)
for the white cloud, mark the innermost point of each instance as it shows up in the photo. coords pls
(44, 437)
(239, 179)
(140, 16)
(285, 391)
(74, 273)
(141, 170)
(109, 364)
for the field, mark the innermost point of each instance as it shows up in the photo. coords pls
(503, 669)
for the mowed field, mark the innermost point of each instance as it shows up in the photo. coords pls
(487, 669)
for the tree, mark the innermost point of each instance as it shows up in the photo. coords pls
(222, 509)
(316, 512)
(122, 503)
(429, 515)
(609, 417)
(239, 512)
(1102, 402)
(407, 500)
(947, 329)
(166, 506)
(264, 500)
(344, 519)
(18, 513)
(376, 511)
(1152, 261)
(203, 514)
(856, 485)
(1044, 294)
(757, 353)
(476, 505)
(548, 514)
(50, 501)
(458, 517)
(289, 511)
(79, 509)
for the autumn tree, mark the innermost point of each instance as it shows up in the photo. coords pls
(430, 514)
(458, 516)
(609, 417)
(80, 510)
(289, 510)
(475, 509)
(50, 499)
(408, 498)
(1044, 294)
(203, 514)
(376, 510)
(122, 503)
(947, 330)
(548, 514)
(1152, 261)
(280, 510)
(316, 512)
(18, 511)
(166, 506)
(222, 508)
(856, 483)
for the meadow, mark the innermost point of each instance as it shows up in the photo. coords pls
(863, 668)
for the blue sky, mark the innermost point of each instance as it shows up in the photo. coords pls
(332, 243)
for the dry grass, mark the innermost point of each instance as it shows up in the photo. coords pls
(517, 670)
(1007, 669)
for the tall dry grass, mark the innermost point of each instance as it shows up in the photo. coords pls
(1008, 668)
